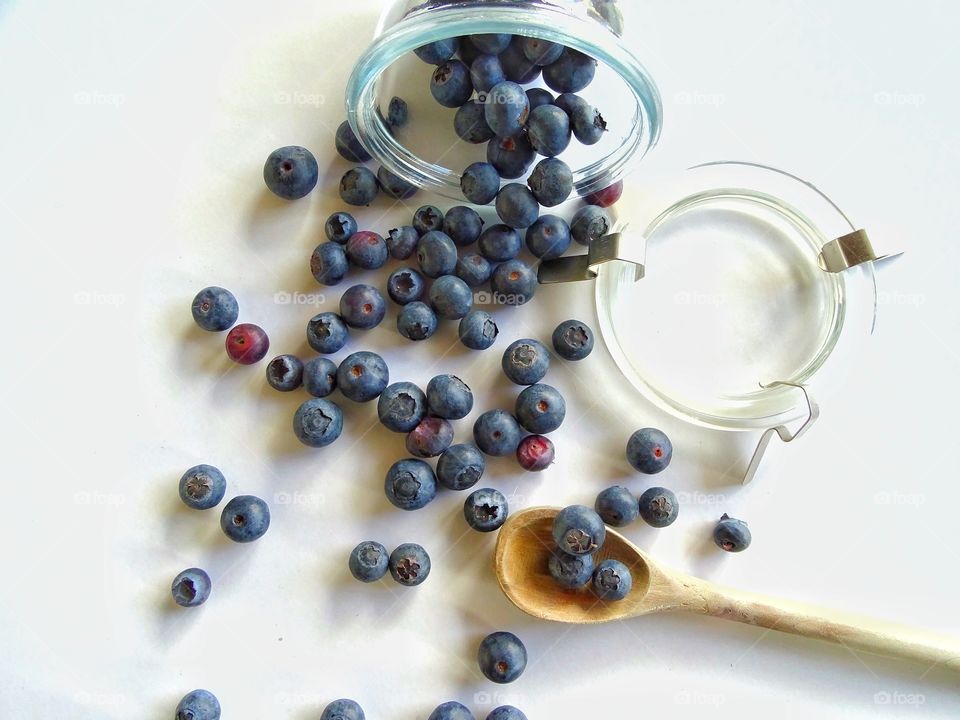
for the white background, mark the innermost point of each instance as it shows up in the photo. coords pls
(133, 136)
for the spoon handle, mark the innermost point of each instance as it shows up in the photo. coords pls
(854, 632)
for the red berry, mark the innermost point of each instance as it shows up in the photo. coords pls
(535, 453)
(247, 344)
(606, 197)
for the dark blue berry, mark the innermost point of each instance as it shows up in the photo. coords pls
(327, 333)
(416, 321)
(507, 109)
(463, 225)
(516, 66)
(493, 44)
(320, 376)
(578, 530)
(658, 507)
(569, 102)
(368, 561)
(362, 307)
(401, 407)
(318, 422)
(291, 172)
(409, 564)
(485, 510)
(540, 409)
(362, 376)
(473, 269)
(511, 156)
(437, 53)
(436, 254)
(486, 72)
(573, 340)
(541, 52)
(549, 237)
(506, 712)
(198, 705)
(430, 437)
(478, 330)
(467, 51)
(517, 207)
(551, 181)
(502, 657)
(285, 373)
(570, 570)
(191, 587)
(245, 518)
(571, 73)
(398, 113)
(450, 297)
(649, 450)
(514, 281)
(367, 250)
(460, 467)
(731, 534)
(410, 484)
(588, 124)
(359, 186)
(612, 580)
(590, 223)
(525, 361)
(451, 711)
(427, 219)
(535, 453)
(402, 241)
(349, 146)
(480, 182)
(202, 487)
(328, 263)
(617, 506)
(340, 226)
(216, 309)
(394, 185)
(470, 123)
(497, 433)
(449, 397)
(537, 97)
(499, 243)
(343, 710)
(405, 285)
(548, 129)
(451, 85)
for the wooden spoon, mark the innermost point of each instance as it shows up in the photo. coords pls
(525, 544)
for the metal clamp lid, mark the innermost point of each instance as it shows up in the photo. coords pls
(616, 246)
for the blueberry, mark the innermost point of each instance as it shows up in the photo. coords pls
(430, 437)
(516, 66)
(540, 409)
(450, 84)
(247, 344)
(499, 243)
(485, 510)
(569, 102)
(549, 130)
(485, 72)
(515, 281)
(612, 580)
(449, 397)
(551, 181)
(198, 705)
(460, 467)
(470, 123)
(578, 530)
(291, 172)
(451, 711)
(497, 433)
(537, 97)
(517, 207)
(535, 453)
(285, 373)
(349, 146)
(548, 237)
(202, 487)
(409, 564)
(617, 506)
(649, 450)
(590, 223)
(340, 226)
(367, 250)
(320, 376)
(588, 124)
(571, 73)
(359, 186)
(343, 710)
(368, 561)
(216, 309)
(362, 307)
(468, 52)
(573, 340)
(507, 109)
(463, 225)
(436, 254)
(398, 113)
(506, 712)
(318, 422)
(658, 507)
(394, 185)
(502, 657)
(450, 297)
(568, 570)
(525, 361)
(473, 269)
(416, 321)
(401, 407)
(327, 333)
(245, 518)
(490, 43)
(402, 241)
(731, 534)
(405, 285)
(191, 587)
(328, 263)
(437, 53)
(480, 183)
(362, 376)
(478, 330)
(606, 197)
(410, 484)
(541, 52)
(511, 156)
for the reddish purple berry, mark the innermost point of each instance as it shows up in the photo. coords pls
(535, 453)
(606, 197)
(430, 438)
(247, 344)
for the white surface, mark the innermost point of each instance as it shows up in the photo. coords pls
(133, 136)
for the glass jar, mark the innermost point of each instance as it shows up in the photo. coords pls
(428, 153)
